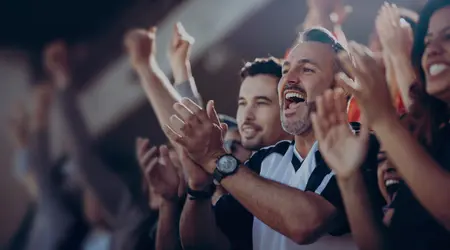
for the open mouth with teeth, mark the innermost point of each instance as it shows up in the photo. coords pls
(293, 99)
(437, 68)
(392, 186)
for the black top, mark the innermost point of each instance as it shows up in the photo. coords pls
(413, 227)
(236, 222)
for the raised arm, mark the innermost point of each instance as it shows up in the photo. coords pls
(112, 193)
(179, 53)
(160, 93)
(396, 39)
(345, 153)
(52, 206)
(319, 14)
(38, 161)
(417, 167)
(301, 216)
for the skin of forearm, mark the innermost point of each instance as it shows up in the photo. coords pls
(418, 169)
(159, 91)
(404, 75)
(367, 230)
(299, 215)
(40, 158)
(198, 229)
(181, 72)
(167, 237)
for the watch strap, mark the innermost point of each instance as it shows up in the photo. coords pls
(217, 175)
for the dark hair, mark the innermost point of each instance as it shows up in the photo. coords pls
(321, 35)
(427, 113)
(262, 66)
(411, 22)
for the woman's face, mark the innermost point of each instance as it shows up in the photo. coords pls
(388, 179)
(436, 57)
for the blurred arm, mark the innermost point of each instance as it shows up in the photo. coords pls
(167, 236)
(198, 228)
(106, 186)
(367, 228)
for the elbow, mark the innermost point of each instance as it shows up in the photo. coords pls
(305, 233)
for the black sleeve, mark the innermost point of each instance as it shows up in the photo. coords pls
(254, 163)
(234, 221)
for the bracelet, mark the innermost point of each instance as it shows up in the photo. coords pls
(202, 194)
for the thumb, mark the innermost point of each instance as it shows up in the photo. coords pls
(224, 128)
(176, 37)
(211, 112)
(164, 154)
(343, 81)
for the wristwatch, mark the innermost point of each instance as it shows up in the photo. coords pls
(226, 165)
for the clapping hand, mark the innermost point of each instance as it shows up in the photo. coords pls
(341, 148)
(198, 131)
(370, 88)
(395, 34)
(160, 174)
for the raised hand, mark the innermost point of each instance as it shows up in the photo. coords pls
(340, 13)
(56, 62)
(370, 88)
(395, 34)
(341, 148)
(162, 177)
(198, 131)
(141, 46)
(179, 53)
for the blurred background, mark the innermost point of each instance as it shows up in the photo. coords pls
(227, 33)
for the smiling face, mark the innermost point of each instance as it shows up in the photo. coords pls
(307, 72)
(436, 57)
(388, 178)
(258, 115)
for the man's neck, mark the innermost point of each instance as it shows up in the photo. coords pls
(304, 143)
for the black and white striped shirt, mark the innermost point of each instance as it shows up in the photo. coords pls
(283, 164)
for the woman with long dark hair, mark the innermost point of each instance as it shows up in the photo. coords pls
(419, 151)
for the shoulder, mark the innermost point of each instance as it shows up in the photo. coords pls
(257, 158)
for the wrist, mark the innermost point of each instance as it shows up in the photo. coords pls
(199, 186)
(169, 204)
(345, 182)
(211, 163)
(386, 118)
(181, 72)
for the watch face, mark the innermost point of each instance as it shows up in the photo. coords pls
(227, 164)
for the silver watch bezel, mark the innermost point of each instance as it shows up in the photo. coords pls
(223, 167)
